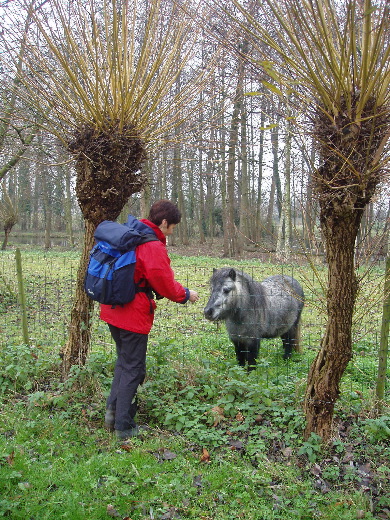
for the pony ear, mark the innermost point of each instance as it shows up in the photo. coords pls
(232, 274)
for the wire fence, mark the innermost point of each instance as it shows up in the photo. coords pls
(181, 331)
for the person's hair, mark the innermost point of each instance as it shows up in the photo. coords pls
(164, 209)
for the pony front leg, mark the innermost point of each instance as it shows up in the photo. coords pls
(247, 352)
(241, 352)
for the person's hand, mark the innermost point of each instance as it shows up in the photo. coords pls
(194, 297)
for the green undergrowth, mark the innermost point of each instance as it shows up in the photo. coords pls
(221, 444)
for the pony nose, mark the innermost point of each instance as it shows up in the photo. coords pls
(208, 312)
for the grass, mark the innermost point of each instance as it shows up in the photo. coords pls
(222, 444)
(236, 453)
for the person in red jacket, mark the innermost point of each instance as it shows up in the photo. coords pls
(131, 323)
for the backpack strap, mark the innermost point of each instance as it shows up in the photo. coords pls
(147, 290)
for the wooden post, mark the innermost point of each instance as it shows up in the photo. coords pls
(384, 343)
(22, 297)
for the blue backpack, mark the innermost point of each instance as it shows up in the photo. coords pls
(110, 274)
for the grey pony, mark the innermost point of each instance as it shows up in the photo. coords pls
(255, 310)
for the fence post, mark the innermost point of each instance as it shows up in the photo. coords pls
(22, 297)
(384, 343)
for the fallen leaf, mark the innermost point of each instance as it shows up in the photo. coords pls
(197, 481)
(164, 454)
(126, 447)
(10, 458)
(111, 511)
(168, 455)
(205, 456)
(218, 414)
(170, 514)
(322, 486)
(287, 452)
(348, 454)
(236, 445)
(239, 417)
(316, 470)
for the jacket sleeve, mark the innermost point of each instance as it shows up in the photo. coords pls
(154, 265)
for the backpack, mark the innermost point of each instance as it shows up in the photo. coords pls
(110, 273)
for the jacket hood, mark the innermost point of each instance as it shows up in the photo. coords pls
(157, 231)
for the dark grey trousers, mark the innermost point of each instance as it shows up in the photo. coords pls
(129, 373)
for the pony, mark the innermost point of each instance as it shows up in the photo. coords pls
(256, 310)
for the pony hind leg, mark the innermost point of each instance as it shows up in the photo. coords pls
(291, 340)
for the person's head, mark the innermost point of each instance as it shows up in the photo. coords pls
(164, 210)
(165, 215)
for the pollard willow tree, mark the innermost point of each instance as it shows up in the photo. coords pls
(101, 74)
(334, 58)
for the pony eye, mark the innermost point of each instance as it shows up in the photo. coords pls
(226, 290)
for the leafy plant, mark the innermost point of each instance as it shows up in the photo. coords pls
(312, 447)
(378, 429)
(24, 367)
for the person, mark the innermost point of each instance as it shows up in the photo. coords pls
(131, 323)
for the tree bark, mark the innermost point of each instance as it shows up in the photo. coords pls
(283, 245)
(231, 243)
(275, 186)
(76, 348)
(245, 212)
(5, 241)
(201, 213)
(211, 182)
(324, 377)
(259, 226)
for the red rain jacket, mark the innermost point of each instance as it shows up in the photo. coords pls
(154, 266)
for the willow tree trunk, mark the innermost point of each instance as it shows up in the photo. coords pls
(108, 171)
(76, 349)
(7, 232)
(340, 231)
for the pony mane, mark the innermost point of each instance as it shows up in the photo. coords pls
(253, 287)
